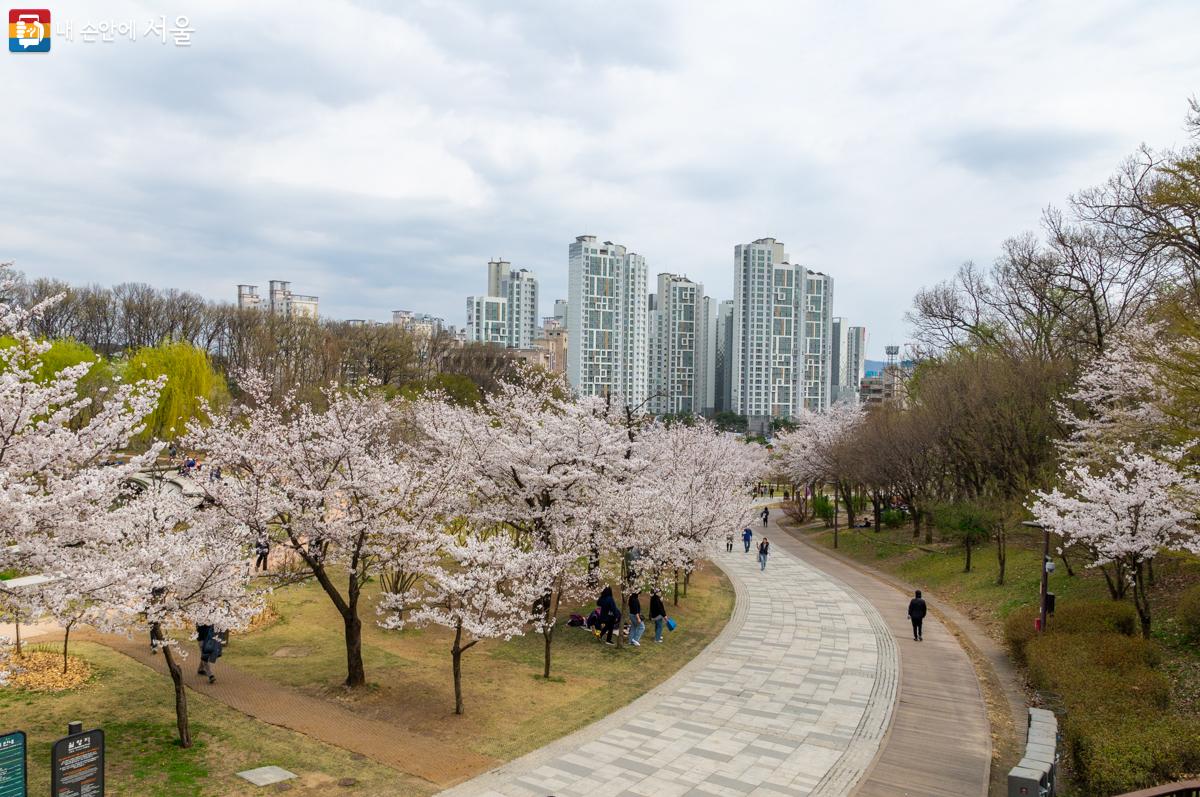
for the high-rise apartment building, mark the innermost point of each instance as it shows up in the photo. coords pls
(848, 363)
(818, 344)
(280, 300)
(723, 378)
(517, 291)
(837, 352)
(606, 320)
(487, 319)
(781, 335)
(680, 349)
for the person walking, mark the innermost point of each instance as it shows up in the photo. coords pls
(766, 513)
(637, 626)
(746, 535)
(210, 651)
(658, 613)
(764, 548)
(729, 542)
(203, 633)
(610, 615)
(261, 548)
(916, 612)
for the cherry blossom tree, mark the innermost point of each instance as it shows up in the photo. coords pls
(809, 452)
(1126, 513)
(57, 470)
(1115, 400)
(337, 487)
(695, 490)
(481, 589)
(169, 565)
(538, 464)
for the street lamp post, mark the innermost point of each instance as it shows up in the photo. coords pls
(1045, 569)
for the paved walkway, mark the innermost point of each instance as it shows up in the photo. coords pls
(792, 699)
(940, 741)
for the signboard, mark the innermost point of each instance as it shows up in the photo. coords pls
(77, 765)
(13, 773)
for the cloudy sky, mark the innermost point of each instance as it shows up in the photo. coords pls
(377, 154)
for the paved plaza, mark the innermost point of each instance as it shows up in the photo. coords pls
(794, 698)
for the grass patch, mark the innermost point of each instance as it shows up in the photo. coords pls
(508, 712)
(134, 705)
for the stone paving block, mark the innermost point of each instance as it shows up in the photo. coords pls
(266, 776)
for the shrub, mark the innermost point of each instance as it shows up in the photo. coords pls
(892, 518)
(1188, 612)
(1080, 617)
(1070, 618)
(1117, 732)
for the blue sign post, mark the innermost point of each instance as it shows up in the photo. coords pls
(14, 776)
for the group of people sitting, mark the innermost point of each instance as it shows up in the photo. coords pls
(606, 617)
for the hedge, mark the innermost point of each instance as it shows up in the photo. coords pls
(1112, 697)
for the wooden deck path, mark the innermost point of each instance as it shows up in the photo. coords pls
(939, 743)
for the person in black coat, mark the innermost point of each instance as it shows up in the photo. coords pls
(658, 613)
(916, 612)
(610, 615)
(203, 634)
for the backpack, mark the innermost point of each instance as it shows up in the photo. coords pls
(576, 621)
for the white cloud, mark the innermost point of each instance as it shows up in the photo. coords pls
(378, 153)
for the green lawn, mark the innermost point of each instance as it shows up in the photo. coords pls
(509, 708)
(135, 707)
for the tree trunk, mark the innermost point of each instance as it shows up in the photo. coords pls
(928, 528)
(687, 579)
(17, 629)
(456, 658)
(1116, 581)
(1001, 553)
(1066, 563)
(676, 601)
(355, 673)
(549, 626)
(877, 511)
(967, 545)
(916, 521)
(66, 639)
(1141, 599)
(181, 711)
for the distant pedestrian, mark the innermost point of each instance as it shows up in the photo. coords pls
(610, 615)
(658, 613)
(916, 612)
(261, 548)
(746, 535)
(729, 541)
(766, 513)
(764, 548)
(637, 626)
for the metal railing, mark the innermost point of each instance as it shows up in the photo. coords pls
(1186, 788)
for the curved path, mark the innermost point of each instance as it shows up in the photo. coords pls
(793, 698)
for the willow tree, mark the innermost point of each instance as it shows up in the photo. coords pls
(191, 380)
